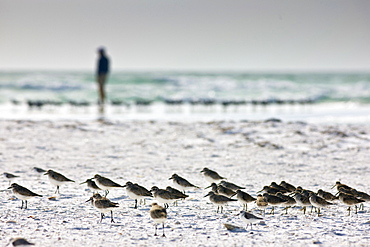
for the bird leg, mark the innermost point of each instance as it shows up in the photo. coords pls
(135, 203)
(155, 227)
(111, 215)
(163, 230)
(57, 190)
(101, 217)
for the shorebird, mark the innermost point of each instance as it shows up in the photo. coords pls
(244, 198)
(104, 205)
(225, 191)
(281, 189)
(231, 186)
(22, 193)
(20, 242)
(318, 202)
(159, 215)
(211, 176)
(176, 193)
(261, 203)
(287, 186)
(57, 179)
(39, 170)
(361, 195)
(91, 185)
(163, 196)
(249, 218)
(10, 176)
(273, 201)
(339, 185)
(290, 201)
(181, 183)
(135, 191)
(302, 200)
(269, 190)
(326, 195)
(219, 200)
(349, 200)
(105, 183)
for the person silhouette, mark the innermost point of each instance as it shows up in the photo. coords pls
(102, 74)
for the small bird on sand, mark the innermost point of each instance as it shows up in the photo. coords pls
(211, 176)
(181, 183)
(38, 170)
(318, 202)
(261, 203)
(163, 196)
(159, 215)
(231, 186)
(136, 192)
(22, 193)
(91, 185)
(57, 179)
(349, 200)
(104, 205)
(219, 200)
(10, 176)
(249, 218)
(244, 198)
(105, 183)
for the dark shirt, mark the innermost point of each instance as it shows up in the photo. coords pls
(103, 65)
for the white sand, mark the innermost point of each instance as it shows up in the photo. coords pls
(252, 154)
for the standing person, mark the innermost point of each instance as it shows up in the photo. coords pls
(102, 74)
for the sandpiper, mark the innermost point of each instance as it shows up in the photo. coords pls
(326, 195)
(135, 191)
(57, 179)
(39, 170)
(273, 201)
(211, 176)
(10, 176)
(225, 191)
(249, 218)
(244, 198)
(349, 200)
(340, 185)
(269, 190)
(219, 200)
(231, 186)
(281, 189)
(318, 202)
(22, 193)
(176, 193)
(181, 183)
(261, 203)
(290, 201)
(91, 185)
(302, 200)
(105, 183)
(159, 215)
(163, 196)
(289, 187)
(20, 242)
(104, 205)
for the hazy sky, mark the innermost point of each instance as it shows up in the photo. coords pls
(186, 34)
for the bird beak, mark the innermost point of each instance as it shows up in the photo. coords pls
(208, 187)
(206, 195)
(46, 173)
(124, 186)
(333, 186)
(10, 188)
(89, 199)
(84, 182)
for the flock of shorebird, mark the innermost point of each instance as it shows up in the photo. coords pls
(221, 193)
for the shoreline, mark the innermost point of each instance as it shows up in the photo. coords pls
(327, 113)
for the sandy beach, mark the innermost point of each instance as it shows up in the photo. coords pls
(248, 153)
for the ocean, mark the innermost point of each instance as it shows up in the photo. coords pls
(196, 95)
